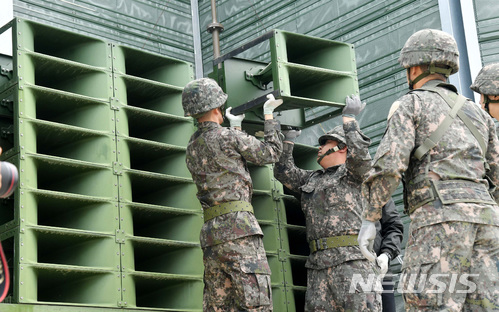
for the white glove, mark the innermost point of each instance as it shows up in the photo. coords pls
(367, 234)
(383, 262)
(271, 104)
(291, 135)
(235, 121)
(353, 106)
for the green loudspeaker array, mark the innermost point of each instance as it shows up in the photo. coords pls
(304, 71)
(160, 214)
(292, 232)
(265, 201)
(60, 224)
(105, 214)
(283, 223)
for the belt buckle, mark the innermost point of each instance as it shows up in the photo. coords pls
(320, 243)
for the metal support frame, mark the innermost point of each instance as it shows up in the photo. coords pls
(457, 18)
(196, 35)
(472, 43)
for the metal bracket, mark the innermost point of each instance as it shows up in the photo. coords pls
(282, 255)
(254, 103)
(120, 236)
(260, 77)
(8, 103)
(7, 131)
(6, 72)
(276, 194)
(122, 304)
(117, 168)
(114, 107)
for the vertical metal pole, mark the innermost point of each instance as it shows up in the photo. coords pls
(215, 28)
(451, 18)
(196, 34)
(472, 43)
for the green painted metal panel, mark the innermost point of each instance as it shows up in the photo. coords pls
(487, 20)
(151, 25)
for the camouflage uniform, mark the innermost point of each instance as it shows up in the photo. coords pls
(454, 220)
(332, 202)
(237, 275)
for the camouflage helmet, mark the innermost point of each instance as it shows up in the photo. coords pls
(487, 80)
(201, 96)
(431, 47)
(337, 134)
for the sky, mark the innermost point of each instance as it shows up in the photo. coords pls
(6, 14)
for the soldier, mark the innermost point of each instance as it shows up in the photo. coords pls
(487, 84)
(236, 274)
(445, 149)
(332, 202)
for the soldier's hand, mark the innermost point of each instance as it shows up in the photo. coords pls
(383, 262)
(291, 135)
(367, 234)
(353, 106)
(271, 104)
(234, 120)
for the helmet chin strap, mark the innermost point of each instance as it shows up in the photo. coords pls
(432, 69)
(330, 151)
(486, 102)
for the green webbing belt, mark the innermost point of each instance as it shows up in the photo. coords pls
(228, 207)
(455, 106)
(333, 242)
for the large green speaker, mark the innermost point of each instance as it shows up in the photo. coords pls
(105, 214)
(304, 71)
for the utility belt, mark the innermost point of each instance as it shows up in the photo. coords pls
(224, 208)
(448, 192)
(333, 242)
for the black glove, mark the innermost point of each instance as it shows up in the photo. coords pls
(353, 106)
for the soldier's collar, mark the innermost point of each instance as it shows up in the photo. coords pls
(439, 83)
(208, 124)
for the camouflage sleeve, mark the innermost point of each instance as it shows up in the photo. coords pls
(286, 171)
(492, 158)
(392, 157)
(258, 152)
(358, 158)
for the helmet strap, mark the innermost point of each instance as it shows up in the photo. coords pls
(330, 151)
(432, 69)
(486, 102)
(222, 110)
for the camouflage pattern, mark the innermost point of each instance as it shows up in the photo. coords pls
(332, 202)
(237, 276)
(458, 156)
(451, 250)
(337, 134)
(216, 157)
(487, 80)
(430, 46)
(331, 289)
(201, 96)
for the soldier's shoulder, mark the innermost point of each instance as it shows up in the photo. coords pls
(407, 99)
